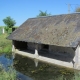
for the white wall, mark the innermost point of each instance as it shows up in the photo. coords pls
(77, 57)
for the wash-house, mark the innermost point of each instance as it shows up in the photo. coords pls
(51, 39)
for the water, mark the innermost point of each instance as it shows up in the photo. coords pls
(26, 69)
(7, 62)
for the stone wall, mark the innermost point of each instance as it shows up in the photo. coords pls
(69, 51)
(77, 57)
(61, 49)
(64, 56)
(31, 46)
(53, 49)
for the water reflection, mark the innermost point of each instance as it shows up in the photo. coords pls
(21, 76)
(26, 70)
(43, 71)
(7, 61)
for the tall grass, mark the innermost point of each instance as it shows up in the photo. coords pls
(7, 74)
(5, 44)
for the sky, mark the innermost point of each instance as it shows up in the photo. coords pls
(21, 10)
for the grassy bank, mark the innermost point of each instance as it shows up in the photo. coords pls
(7, 75)
(5, 45)
(5, 48)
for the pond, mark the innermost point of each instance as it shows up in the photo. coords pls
(26, 69)
(7, 61)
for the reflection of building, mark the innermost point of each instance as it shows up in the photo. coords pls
(52, 39)
(44, 71)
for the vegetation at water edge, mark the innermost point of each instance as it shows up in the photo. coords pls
(7, 74)
(5, 44)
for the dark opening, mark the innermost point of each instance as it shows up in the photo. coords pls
(20, 45)
(74, 48)
(45, 46)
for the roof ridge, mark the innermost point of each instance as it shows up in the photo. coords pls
(54, 15)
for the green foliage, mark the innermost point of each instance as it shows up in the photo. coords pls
(6, 29)
(0, 30)
(7, 49)
(5, 45)
(77, 9)
(43, 14)
(7, 75)
(10, 30)
(9, 22)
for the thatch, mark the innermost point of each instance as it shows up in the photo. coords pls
(60, 30)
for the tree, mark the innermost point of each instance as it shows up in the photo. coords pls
(77, 9)
(43, 14)
(9, 22)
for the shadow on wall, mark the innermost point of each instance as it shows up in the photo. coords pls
(66, 54)
(20, 45)
(59, 53)
(23, 46)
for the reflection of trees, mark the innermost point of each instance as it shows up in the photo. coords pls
(43, 71)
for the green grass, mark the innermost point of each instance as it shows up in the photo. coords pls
(5, 44)
(7, 75)
(5, 48)
(9, 31)
(0, 30)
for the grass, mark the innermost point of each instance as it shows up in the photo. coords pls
(7, 74)
(9, 31)
(5, 44)
(6, 48)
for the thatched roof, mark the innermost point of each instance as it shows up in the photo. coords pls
(60, 30)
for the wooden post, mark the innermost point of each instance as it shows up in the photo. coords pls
(13, 49)
(36, 55)
(36, 50)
